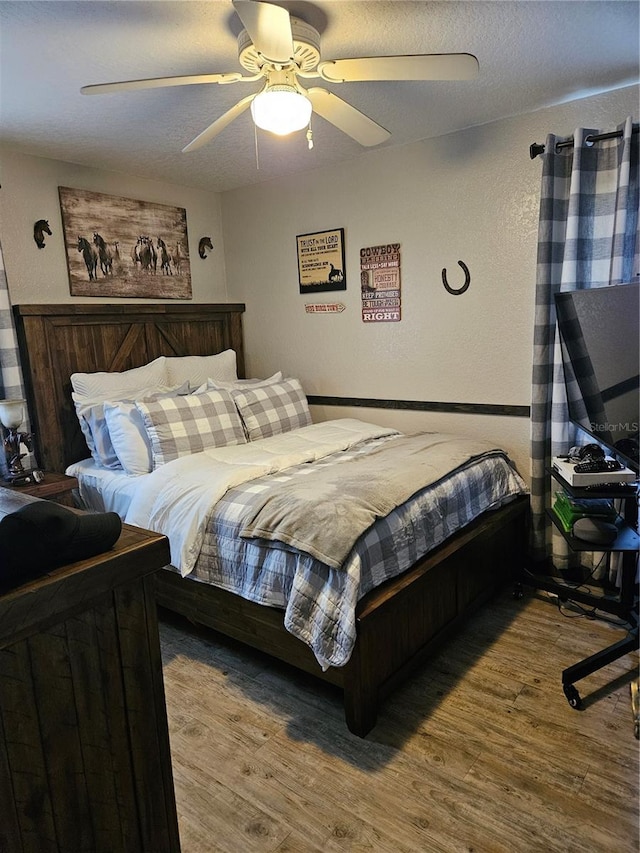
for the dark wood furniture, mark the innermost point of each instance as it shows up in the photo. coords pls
(399, 624)
(54, 487)
(84, 744)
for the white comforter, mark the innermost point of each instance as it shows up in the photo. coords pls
(178, 498)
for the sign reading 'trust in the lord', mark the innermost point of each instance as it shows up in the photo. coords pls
(321, 261)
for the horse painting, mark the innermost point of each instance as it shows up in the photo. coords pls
(90, 255)
(104, 253)
(124, 241)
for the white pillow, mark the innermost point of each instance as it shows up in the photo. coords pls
(102, 386)
(238, 385)
(272, 409)
(129, 437)
(180, 426)
(196, 369)
(118, 386)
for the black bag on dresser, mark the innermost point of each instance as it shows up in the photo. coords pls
(42, 535)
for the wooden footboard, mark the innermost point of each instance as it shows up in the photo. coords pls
(399, 624)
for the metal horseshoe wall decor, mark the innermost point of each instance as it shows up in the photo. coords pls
(467, 280)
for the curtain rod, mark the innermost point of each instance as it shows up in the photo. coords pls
(537, 148)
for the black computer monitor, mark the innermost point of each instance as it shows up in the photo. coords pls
(599, 334)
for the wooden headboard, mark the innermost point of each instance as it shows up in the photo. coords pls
(58, 340)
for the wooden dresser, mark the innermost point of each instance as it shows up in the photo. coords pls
(85, 763)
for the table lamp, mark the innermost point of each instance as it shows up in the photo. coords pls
(11, 417)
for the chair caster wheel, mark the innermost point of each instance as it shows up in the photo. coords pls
(573, 697)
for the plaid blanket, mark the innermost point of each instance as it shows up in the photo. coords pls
(324, 512)
(318, 601)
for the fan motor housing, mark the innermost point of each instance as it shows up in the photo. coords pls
(306, 48)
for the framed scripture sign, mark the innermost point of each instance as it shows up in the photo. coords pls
(321, 261)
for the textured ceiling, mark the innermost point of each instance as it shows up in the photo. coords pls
(531, 55)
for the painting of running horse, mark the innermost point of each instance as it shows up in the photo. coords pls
(121, 247)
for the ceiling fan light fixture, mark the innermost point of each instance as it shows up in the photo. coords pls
(281, 110)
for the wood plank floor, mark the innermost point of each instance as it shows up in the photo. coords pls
(479, 752)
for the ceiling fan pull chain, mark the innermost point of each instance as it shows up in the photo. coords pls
(310, 136)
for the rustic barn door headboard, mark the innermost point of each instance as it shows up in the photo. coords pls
(58, 340)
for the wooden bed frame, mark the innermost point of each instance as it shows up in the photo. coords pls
(398, 624)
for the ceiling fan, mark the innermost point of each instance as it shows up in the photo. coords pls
(280, 50)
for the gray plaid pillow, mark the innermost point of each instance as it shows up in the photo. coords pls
(180, 426)
(272, 409)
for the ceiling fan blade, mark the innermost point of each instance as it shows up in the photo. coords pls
(269, 28)
(159, 83)
(218, 125)
(347, 118)
(435, 66)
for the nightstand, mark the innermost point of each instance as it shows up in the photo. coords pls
(54, 487)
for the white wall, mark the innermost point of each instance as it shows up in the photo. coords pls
(470, 196)
(30, 192)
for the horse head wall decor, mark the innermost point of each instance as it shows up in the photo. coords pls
(204, 244)
(40, 228)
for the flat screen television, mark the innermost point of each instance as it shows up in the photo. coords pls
(599, 335)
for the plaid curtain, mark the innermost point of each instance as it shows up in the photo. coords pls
(11, 384)
(11, 379)
(587, 237)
